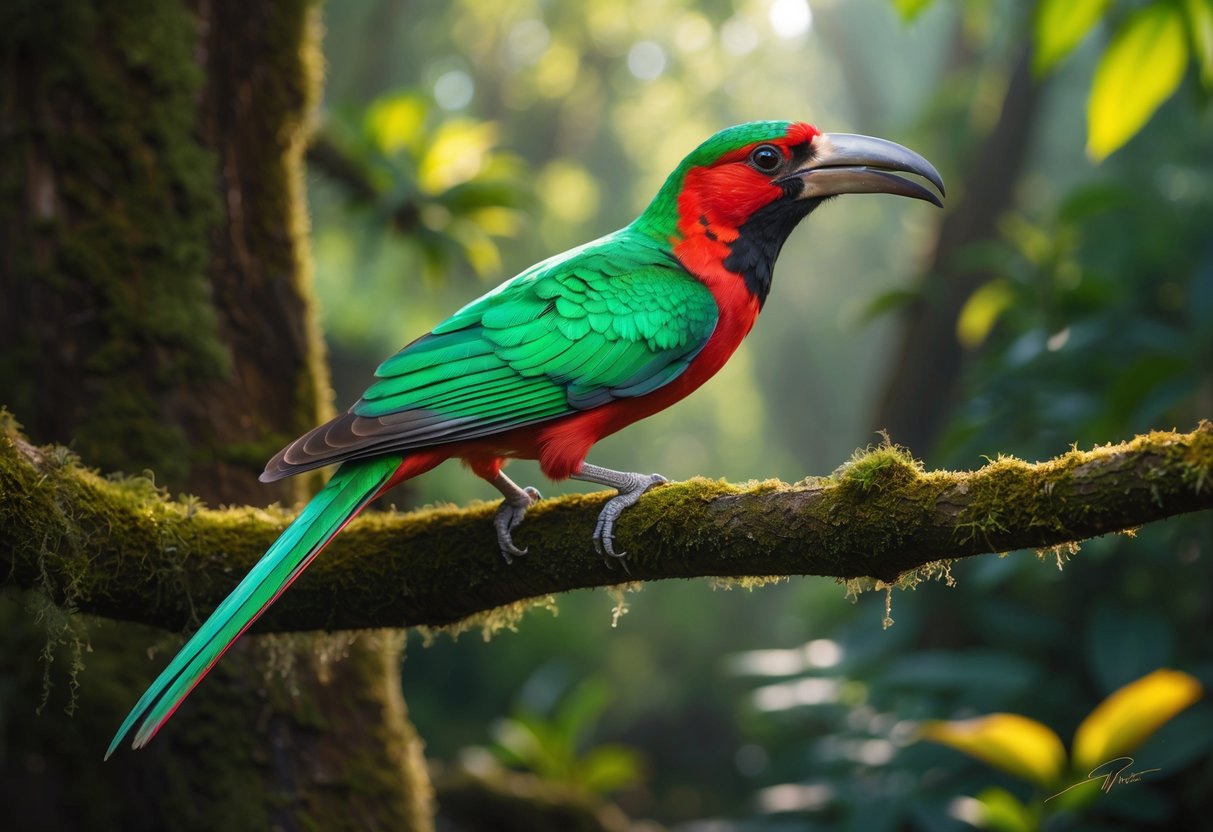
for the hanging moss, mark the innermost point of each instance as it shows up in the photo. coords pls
(120, 547)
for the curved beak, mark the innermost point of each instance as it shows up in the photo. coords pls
(846, 163)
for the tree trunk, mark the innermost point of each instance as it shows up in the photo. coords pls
(928, 361)
(156, 315)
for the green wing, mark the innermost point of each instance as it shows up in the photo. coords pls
(615, 319)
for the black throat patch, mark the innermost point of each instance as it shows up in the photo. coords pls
(761, 237)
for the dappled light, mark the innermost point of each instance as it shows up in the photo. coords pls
(633, 91)
(219, 220)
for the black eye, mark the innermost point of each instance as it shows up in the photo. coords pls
(766, 158)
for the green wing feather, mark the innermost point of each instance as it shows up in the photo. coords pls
(615, 319)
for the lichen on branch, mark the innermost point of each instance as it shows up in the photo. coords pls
(121, 547)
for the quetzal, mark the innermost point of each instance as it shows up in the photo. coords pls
(571, 350)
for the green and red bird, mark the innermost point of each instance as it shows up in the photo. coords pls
(571, 350)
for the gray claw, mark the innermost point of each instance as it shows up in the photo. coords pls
(630, 492)
(509, 515)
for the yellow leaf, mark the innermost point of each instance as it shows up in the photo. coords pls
(1130, 715)
(395, 122)
(1200, 24)
(457, 152)
(910, 9)
(500, 222)
(1019, 746)
(1059, 26)
(1138, 71)
(982, 310)
(481, 252)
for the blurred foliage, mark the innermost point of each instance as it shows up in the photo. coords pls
(1140, 69)
(439, 181)
(1028, 750)
(553, 746)
(790, 708)
(1098, 314)
(1142, 66)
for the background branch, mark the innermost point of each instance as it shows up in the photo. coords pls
(326, 155)
(121, 548)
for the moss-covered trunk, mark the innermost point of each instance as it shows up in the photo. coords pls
(154, 313)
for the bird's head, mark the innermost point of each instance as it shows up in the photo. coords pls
(730, 205)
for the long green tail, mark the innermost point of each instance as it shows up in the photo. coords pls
(353, 486)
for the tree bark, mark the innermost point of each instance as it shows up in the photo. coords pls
(156, 314)
(123, 550)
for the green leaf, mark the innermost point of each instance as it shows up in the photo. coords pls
(1087, 201)
(607, 768)
(1200, 26)
(892, 300)
(516, 738)
(1138, 71)
(1126, 718)
(580, 709)
(1059, 26)
(1003, 812)
(1122, 643)
(910, 9)
(1182, 741)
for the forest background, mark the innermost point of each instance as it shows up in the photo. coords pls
(1065, 296)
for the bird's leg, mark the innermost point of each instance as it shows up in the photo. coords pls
(631, 488)
(510, 513)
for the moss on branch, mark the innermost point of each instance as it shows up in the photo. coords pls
(120, 547)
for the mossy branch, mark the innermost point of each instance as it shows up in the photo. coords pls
(119, 547)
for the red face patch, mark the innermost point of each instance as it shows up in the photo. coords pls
(799, 133)
(716, 200)
(723, 195)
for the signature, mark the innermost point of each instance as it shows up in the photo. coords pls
(1112, 773)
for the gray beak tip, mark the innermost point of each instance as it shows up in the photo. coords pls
(852, 163)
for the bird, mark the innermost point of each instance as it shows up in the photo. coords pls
(569, 351)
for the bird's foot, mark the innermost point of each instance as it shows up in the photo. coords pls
(631, 488)
(509, 515)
